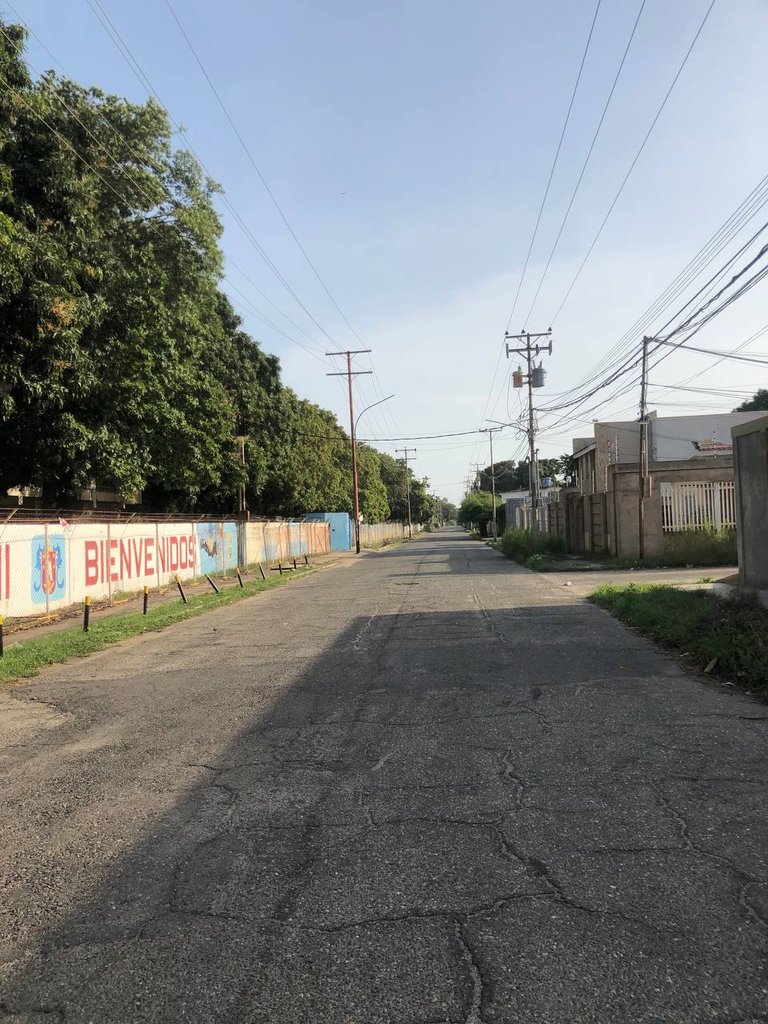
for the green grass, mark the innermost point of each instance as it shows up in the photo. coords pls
(530, 547)
(699, 625)
(26, 658)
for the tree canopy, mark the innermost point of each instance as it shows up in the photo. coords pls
(514, 476)
(757, 402)
(124, 362)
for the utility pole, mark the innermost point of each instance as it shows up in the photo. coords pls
(349, 373)
(643, 460)
(242, 504)
(535, 379)
(405, 452)
(490, 432)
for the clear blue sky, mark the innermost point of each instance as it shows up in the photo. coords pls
(409, 144)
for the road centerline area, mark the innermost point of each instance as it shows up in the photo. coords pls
(472, 798)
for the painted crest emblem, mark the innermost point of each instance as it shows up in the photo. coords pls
(48, 568)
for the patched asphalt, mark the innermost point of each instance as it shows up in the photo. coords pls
(424, 788)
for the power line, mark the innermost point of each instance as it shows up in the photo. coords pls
(586, 160)
(170, 198)
(554, 163)
(634, 162)
(273, 198)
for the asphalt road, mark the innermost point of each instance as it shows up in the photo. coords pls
(424, 788)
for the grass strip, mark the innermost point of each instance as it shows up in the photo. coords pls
(699, 625)
(26, 658)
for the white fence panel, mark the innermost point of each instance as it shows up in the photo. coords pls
(698, 506)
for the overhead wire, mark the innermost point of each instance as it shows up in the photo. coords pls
(114, 34)
(135, 183)
(554, 162)
(632, 166)
(584, 166)
(268, 189)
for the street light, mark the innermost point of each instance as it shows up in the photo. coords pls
(354, 468)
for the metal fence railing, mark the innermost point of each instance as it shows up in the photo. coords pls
(698, 506)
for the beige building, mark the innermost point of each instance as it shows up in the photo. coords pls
(671, 439)
(690, 462)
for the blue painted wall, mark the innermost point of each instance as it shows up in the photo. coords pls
(341, 528)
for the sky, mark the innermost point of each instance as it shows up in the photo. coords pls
(408, 144)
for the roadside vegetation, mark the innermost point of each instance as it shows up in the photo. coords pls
(530, 547)
(124, 360)
(688, 548)
(726, 638)
(26, 658)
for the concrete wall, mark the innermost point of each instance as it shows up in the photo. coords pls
(750, 448)
(623, 501)
(45, 567)
(373, 534)
(281, 541)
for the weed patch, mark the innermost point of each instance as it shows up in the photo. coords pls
(530, 547)
(731, 634)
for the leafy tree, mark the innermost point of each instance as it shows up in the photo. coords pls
(514, 476)
(477, 509)
(123, 361)
(444, 511)
(754, 404)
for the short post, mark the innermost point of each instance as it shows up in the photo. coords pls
(2, 639)
(306, 559)
(146, 601)
(87, 614)
(261, 570)
(181, 589)
(212, 583)
(239, 577)
(294, 565)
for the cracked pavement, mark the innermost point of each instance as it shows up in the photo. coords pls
(428, 787)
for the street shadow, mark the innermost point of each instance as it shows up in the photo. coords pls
(329, 864)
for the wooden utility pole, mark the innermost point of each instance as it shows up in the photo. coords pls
(529, 351)
(643, 458)
(405, 452)
(349, 373)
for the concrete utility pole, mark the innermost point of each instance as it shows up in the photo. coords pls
(490, 431)
(535, 379)
(405, 452)
(349, 373)
(643, 477)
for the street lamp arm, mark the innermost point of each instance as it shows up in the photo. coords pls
(371, 406)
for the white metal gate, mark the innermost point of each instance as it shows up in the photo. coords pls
(698, 506)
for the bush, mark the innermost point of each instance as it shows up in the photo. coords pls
(701, 547)
(529, 545)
